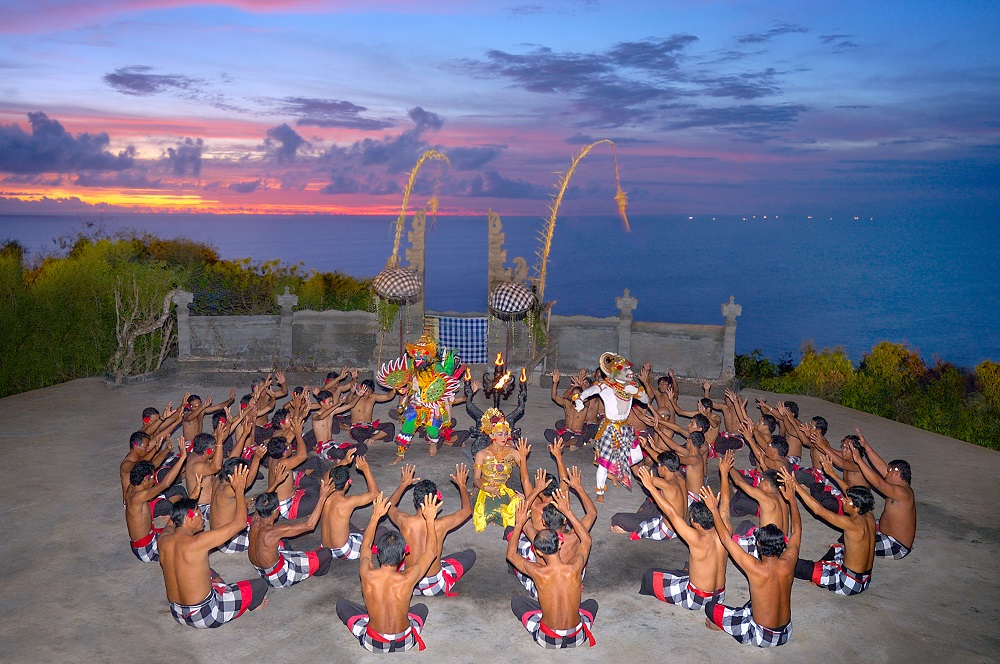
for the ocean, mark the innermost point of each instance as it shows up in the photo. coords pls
(932, 283)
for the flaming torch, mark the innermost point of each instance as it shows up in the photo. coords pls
(501, 385)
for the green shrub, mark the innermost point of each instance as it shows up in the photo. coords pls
(825, 374)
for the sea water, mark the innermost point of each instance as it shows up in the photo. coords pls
(851, 282)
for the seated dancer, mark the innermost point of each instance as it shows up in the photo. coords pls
(387, 622)
(766, 619)
(364, 429)
(196, 599)
(846, 569)
(155, 423)
(764, 500)
(298, 492)
(158, 451)
(324, 424)
(492, 466)
(897, 527)
(660, 400)
(617, 448)
(224, 498)
(143, 489)
(669, 484)
(705, 580)
(444, 572)
(558, 619)
(337, 532)
(195, 410)
(335, 385)
(570, 428)
(549, 517)
(278, 566)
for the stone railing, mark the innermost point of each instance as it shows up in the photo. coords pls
(339, 338)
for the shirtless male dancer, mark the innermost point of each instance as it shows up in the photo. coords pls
(897, 527)
(195, 410)
(670, 486)
(846, 569)
(142, 489)
(337, 532)
(766, 619)
(444, 572)
(558, 619)
(705, 580)
(570, 428)
(363, 428)
(387, 622)
(279, 567)
(195, 599)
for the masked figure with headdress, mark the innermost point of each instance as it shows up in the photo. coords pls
(429, 383)
(616, 448)
(496, 502)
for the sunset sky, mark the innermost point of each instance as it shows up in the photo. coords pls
(716, 107)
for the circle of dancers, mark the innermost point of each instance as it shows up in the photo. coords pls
(187, 503)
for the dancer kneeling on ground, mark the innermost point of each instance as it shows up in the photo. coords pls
(765, 620)
(442, 575)
(387, 622)
(278, 566)
(196, 598)
(706, 579)
(558, 619)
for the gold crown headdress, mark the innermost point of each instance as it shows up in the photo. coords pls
(612, 364)
(493, 420)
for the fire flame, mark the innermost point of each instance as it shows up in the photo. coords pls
(468, 374)
(504, 379)
(524, 376)
(499, 360)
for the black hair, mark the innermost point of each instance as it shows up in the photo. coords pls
(217, 417)
(669, 460)
(230, 465)
(140, 471)
(192, 398)
(771, 477)
(700, 514)
(771, 541)
(180, 510)
(279, 415)
(551, 484)
(333, 375)
(297, 390)
(780, 443)
(340, 476)
(821, 424)
(701, 421)
(862, 498)
(138, 438)
(697, 439)
(203, 442)
(546, 541)
(265, 504)
(256, 382)
(323, 395)
(391, 548)
(770, 422)
(276, 447)
(245, 399)
(793, 407)
(706, 403)
(670, 381)
(553, 518)
(369, 383)
(149, 412)
(904, 468)
(421, 489)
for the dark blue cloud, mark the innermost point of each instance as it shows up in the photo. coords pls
(49, 148)
(283, 143)
(470, 159)
(247, 187)
(779, 29)
(312, 112)
(186, 156)
(137, 80)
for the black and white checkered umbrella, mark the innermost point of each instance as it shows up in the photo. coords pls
(399, 285)
(511, 301)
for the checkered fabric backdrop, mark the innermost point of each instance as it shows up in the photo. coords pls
(465, 336)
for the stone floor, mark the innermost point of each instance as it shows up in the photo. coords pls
(73, 591)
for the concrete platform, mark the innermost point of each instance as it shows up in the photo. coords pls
(73, 591)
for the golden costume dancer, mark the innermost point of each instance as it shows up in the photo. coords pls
(496, 502)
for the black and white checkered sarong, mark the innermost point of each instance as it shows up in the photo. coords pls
(675, 588)
(226, 602)
(739, 624)
(351, 549)
(372, 641)
(556, 639)
(145, 548)
(832, 575)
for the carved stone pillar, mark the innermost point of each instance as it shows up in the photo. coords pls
(286, 302)
(183, 299)
(626, 304)
(730, 310)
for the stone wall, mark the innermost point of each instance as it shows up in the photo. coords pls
(346, 338)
